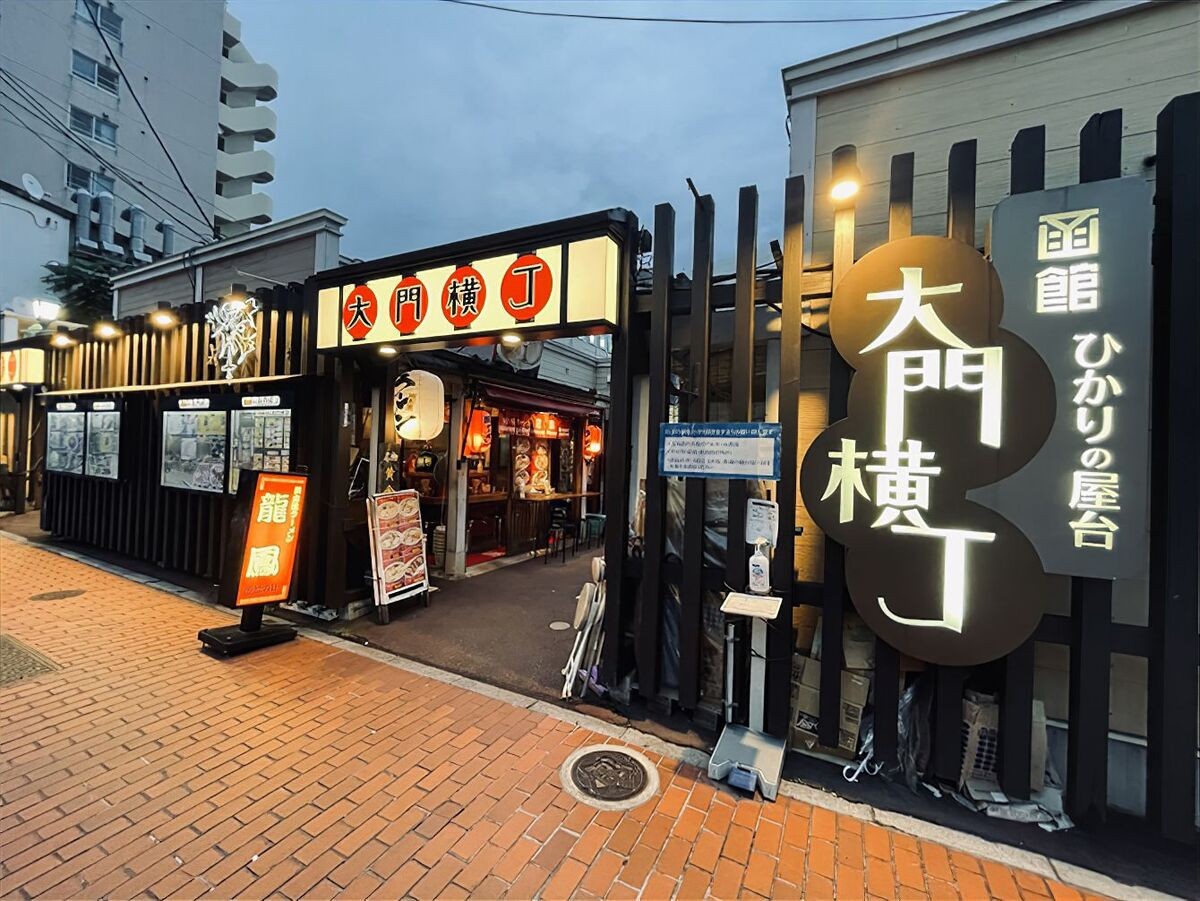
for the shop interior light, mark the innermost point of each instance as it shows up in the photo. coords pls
(511, 339)
(846, 177)
(62, 339)
(387, 350)
(106, 330)
(164, 316)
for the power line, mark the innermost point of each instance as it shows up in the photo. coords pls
(150, 196)
(171, 184)
(680, 21)
(117, 62)
(46, 117)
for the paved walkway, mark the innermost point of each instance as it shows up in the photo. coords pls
(143, 767)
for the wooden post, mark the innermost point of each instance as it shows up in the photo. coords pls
(960, 225)
(617, 467)
(1174, 484)
(780, 639)
(1027, 172)
(740, 410)
(648, 637)
(691, 594)
(1091, 599)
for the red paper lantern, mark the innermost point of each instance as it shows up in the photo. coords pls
(593, 442)
(479, 432)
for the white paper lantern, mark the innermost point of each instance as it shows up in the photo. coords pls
(419, 407)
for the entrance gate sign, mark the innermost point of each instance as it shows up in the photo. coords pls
(720, 450)
(1075, 263)
(549, 289)
(943, 400)
(269, 554)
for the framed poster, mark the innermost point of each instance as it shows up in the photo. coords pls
(103, 457)
(194, 449)
(260, 437)
(397, 545)
(65, 439)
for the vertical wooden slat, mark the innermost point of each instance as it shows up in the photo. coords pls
(741, 410)
(617, 450)
(960, 225)
(1027, 172)
(647, 638)
(780, 640)
(266, 357)
(691, 593)
(1175, 486)
(960, 191)
(900, 197)
(1091, 599)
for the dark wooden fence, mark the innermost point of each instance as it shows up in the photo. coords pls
(1170, 639)
(134, 515)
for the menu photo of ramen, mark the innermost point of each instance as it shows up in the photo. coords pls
(398, 542)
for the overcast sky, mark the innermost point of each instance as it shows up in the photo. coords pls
(425, 122)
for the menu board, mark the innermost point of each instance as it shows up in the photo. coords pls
(194, 450)
(397, 545)
(64, 442)
(260, 440)
(531, 465)
(103, 444)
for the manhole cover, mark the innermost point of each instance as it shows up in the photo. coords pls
(57, 595)
(559, 626)
(610, 778)
(19, 661)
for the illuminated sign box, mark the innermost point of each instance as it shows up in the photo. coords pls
(1075, 263)
(536, 287)
(22, 366)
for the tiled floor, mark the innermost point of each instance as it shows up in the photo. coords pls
(144, 767)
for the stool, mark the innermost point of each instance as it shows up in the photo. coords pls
(556, 532)
(593, 528)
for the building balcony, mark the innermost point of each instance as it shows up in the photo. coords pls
(251, 208)
(258, 165)
(249, 76)
(258, 121)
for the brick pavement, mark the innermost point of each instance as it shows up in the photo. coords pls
(145, 768)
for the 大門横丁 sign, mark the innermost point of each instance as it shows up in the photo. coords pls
(269, 553)
(566, 285)
(1075, 263)
(943, 401)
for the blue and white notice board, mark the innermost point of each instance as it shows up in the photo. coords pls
(720, 450)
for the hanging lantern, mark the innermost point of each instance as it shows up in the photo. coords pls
(419, 405)
(593, 442)
(479, 433)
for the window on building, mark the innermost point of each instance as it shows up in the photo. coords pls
(94, 73)
(93, 126)
(110, 22)
(93, 182)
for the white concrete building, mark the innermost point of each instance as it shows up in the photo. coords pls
(81, 84)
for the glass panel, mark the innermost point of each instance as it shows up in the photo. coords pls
(260, 440)
(64, 442)
(78, 177)
(194, 450)
(82, 66)
(106, 131)
(103, 444)
(107, 79)
(102, 183)
(110, 22)
(81, 121)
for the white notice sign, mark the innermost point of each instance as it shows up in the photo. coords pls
(719, 450)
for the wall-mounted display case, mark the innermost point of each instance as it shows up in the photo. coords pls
(194, 449)
(65, 439)
(260, 437)
(103, 458)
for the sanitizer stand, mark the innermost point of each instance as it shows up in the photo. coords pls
(748, 757)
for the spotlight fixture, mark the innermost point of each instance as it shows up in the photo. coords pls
(164, 317)
(511, 339)
(846, 177)
(106, 330)
(387, 350)
(62, 339)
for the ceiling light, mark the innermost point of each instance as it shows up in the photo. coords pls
(510, 339)
(387, 351)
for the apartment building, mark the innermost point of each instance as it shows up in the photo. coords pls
(84, 86)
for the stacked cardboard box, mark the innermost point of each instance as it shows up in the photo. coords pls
(806, 707)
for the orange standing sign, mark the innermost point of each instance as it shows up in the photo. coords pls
(272, 534)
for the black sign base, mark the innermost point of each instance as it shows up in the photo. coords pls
(249, 635)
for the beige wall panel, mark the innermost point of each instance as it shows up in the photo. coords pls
(1058, 81)
(289, 261)
(173, 289)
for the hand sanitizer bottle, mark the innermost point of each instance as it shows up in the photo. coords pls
(760, 568)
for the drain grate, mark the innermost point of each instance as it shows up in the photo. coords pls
(19, 661)
(57, 595)
(610, 778)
